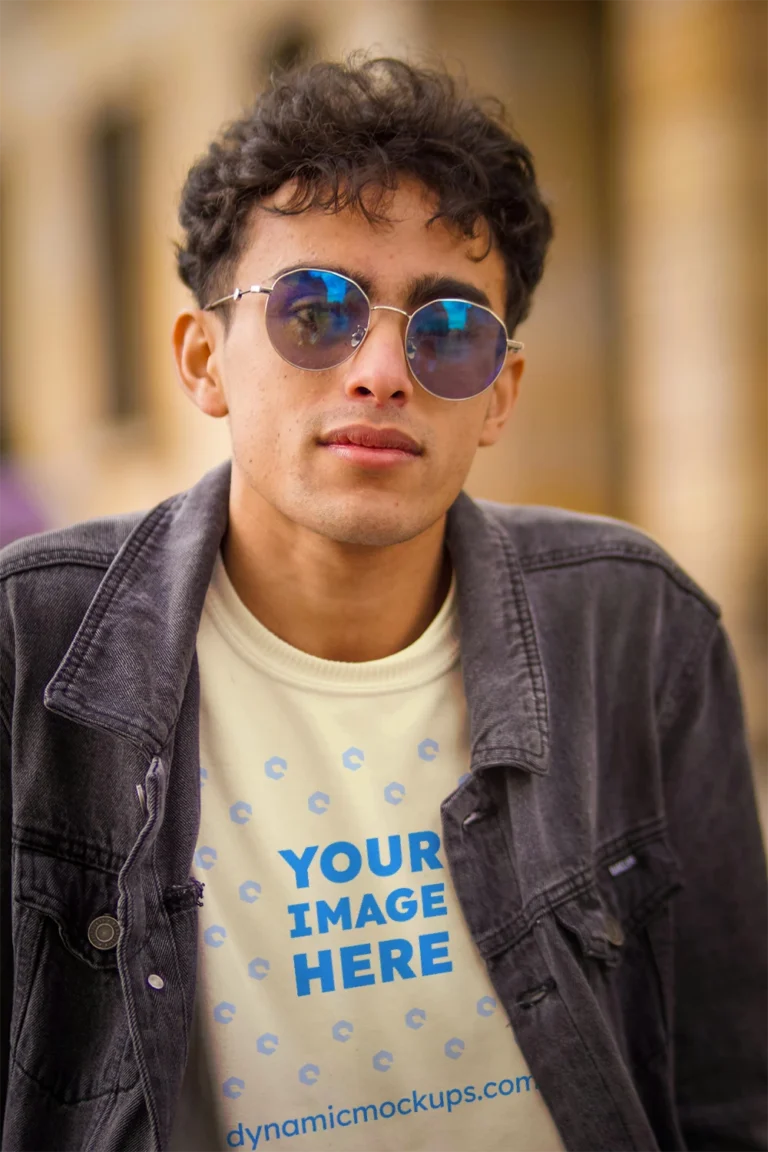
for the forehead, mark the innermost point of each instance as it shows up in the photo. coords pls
(391, 254)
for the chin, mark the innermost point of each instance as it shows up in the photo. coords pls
(369, 534)
(367, 526)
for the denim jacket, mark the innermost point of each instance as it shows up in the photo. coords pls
(605, 846)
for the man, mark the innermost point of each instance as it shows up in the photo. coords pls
(340, 804)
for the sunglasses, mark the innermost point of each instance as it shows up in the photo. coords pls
(316, 320)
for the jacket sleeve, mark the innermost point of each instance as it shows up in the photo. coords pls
(6, 944)
(721, 935)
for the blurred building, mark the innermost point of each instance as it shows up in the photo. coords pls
(644, 395)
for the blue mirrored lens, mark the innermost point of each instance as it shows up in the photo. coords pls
(455, 349)
(316, 319)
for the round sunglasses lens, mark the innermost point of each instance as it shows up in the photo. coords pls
(316, 319)
(455, 349)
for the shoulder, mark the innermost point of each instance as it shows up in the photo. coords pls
(48, 580)
(612, 551)
(609, 600)
(91, 544)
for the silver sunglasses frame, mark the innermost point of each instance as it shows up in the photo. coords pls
(260, 289)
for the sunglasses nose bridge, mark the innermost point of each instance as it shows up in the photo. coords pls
(361, 333)
(364, 336)
(389, 308)
(385, 308)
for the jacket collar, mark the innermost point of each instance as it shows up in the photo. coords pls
(127, 668)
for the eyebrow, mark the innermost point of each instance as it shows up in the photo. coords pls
(420, 290)
(432, 287)
(359, 277)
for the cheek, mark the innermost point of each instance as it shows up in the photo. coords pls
(252, 416)
(251, 369)
(266, 416)
(462, 435)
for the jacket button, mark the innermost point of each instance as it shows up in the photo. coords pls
(614, 931)
(103, 932)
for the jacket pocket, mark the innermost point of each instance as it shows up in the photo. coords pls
(69, 1030)
(621, 931)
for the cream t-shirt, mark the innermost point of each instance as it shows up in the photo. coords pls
(341, 1002)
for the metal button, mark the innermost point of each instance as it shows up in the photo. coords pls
(155, 981)
(614, 931)
(104, 932)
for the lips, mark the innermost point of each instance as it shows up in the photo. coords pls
(366, 436)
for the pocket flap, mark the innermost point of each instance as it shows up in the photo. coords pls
(632, 883)
(637, 880)
(589, 921)
(72, 895)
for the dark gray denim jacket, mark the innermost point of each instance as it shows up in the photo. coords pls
(605, 848)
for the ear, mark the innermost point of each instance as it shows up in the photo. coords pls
(502, 400)
(197, 343)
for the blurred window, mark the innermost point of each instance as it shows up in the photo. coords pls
(117, 173)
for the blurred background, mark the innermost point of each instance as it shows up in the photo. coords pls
(645, 391)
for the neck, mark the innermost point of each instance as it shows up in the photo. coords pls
(333, 600)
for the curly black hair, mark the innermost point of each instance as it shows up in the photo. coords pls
(343, 133)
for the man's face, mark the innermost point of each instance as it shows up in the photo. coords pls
(280, 415)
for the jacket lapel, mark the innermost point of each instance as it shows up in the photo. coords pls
(127, 668)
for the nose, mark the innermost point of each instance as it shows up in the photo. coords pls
(379, 367)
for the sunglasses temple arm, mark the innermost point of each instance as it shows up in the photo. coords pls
(236, 295)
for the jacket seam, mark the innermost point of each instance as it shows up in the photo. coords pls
(648, 831)
(58, 557)
(45, 912)
(480, 759)
(67, 850)
(584, 880)
(146, 738)
(507, 936)
(564, 558)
